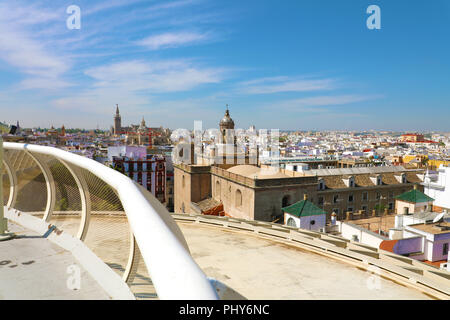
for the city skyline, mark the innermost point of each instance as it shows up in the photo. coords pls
(300, 66)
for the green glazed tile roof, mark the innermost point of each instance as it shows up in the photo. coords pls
(414, 196)
(303, 208)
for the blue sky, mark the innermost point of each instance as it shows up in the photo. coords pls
(278, 64)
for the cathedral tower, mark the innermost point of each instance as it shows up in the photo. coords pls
(117, 121)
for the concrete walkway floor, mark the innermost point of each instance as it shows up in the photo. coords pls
(32, 267)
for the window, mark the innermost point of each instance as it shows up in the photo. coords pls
(285, 201)
(320, 201)
(391, 205)
(352, 182)
(291, 222)
(321, 184)
(350, 198)
(364, 208)
(404, 178)
(445, 249)
(365, 196)
(218, 189)
(238, 198)
(336, 198)
(378, 197)
(379, 181)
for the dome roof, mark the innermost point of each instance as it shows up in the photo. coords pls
(226, 120)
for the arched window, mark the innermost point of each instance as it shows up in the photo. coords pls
(291, 222)
(286, 201)
(238, 198)
(218, 189)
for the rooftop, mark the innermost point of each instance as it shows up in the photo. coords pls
(432, 228)
(303, 208)
(414, 196)
(250, 171)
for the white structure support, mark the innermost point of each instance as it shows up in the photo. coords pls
(3, 221)
(174, 273)
(13, 182)
(85, 200)
(134, 258)
(49, 182)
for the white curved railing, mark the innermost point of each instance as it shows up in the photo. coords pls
(173, 272)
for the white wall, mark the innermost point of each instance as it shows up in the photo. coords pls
(439, 190)
(305, 222)
(319, 222)
(364, 236)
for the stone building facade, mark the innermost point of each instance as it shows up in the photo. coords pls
(259, 192)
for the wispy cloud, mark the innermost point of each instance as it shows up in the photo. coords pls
(135, 82)
(319, 103)
(155, 76)
(285, 84)
(107, 5)
(172, 40)
(30, 55)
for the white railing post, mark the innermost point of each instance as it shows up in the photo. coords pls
(3, 221)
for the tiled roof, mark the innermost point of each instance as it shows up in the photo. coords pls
(303, 208)
(414, 196)
(207, 204)
(364, 180)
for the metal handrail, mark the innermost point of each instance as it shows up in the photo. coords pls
(174, 273)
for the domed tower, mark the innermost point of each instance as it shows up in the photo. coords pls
(226, 123)
(117, 121)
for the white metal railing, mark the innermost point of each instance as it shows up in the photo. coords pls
(173, 272)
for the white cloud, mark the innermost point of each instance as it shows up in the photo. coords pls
(285, 84)
(155, 76)
(111, 4)
(172, 40)
(311, 104)
(134, 83)
(28, 54)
